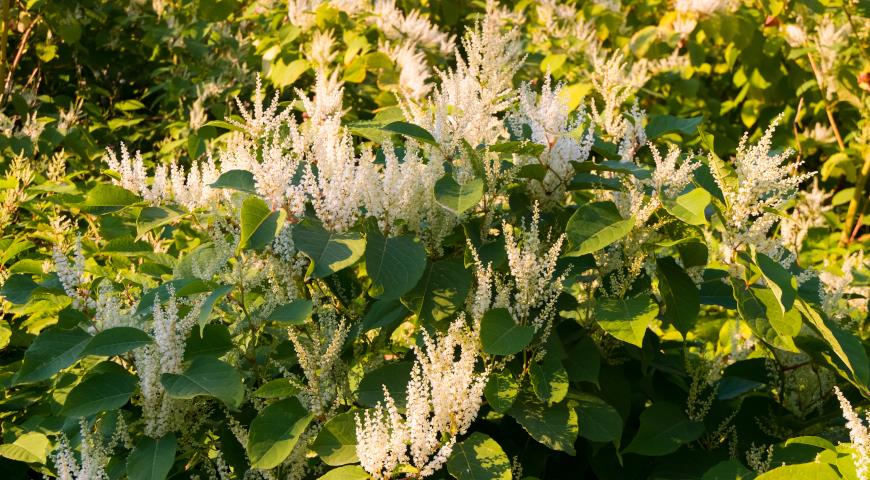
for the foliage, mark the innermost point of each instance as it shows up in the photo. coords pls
(443, 239)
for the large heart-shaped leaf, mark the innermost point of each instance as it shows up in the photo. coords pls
(116, 340)
(500, 334)
(206, 376)
(329, 252)
(275, 431)
(336, 442)
(98, 393)
(664, 427)
(152, 459)
(479, 457)
(53, 350)
(458, 197)
(595, 226)
(626, 318)
(259, 224)
(394, 264)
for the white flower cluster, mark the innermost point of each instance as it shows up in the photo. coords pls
(443, 398)
(560, 22)
(531, 289)
(547, 117)
(829, 38)
(161, 413)
(466, 104)
(841, 299)
(763, 184)
(318, 355)
(93, 454)
(807, 213)
(72, 274)
(170, 182)
(412, 27)
(689, 11)
(859, 434)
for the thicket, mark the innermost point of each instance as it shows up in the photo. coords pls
(399, 239)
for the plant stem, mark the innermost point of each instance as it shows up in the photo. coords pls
(856, 201)
(828, 108)
(4, 37)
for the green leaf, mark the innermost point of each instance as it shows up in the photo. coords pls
(455, 197)
(813, 441)
(18, 288)
(411, 130)
(154, 217)
(214, 341)
(53, 350)
(847, 348)
(31, 447)
(208, 305)
(554, 426)
(549, 379)
(285, 74)
(599, 422)
(663, 428)
(781, 281)
(394, 264)
(501, 335)
(728, 470)
(241, 180)
(259, 224)
(336, 442)
(689, 207)
(681, 296)
(803, 471)
(501, 391)
(479, 457)
(347, 472)
(659, 125)
(626, 319)
(275, 431)
(130, 105)
(759, 308)
(519, 147)
(393, 375)
(216, 10)
(107, 198)
(329, 252)
(115, 341)
(152, 459)
(553, 62)
(278, 388)
(595, 226)
(98, 393)
(441, 291)
(293, 313)
(206, 376)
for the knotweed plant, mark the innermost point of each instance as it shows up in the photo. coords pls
(396, 240)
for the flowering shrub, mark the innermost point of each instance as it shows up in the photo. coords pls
(470, 242)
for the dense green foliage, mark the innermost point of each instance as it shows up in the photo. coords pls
(546, 255)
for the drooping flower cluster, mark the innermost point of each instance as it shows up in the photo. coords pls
(443, 398)
(859, 434)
